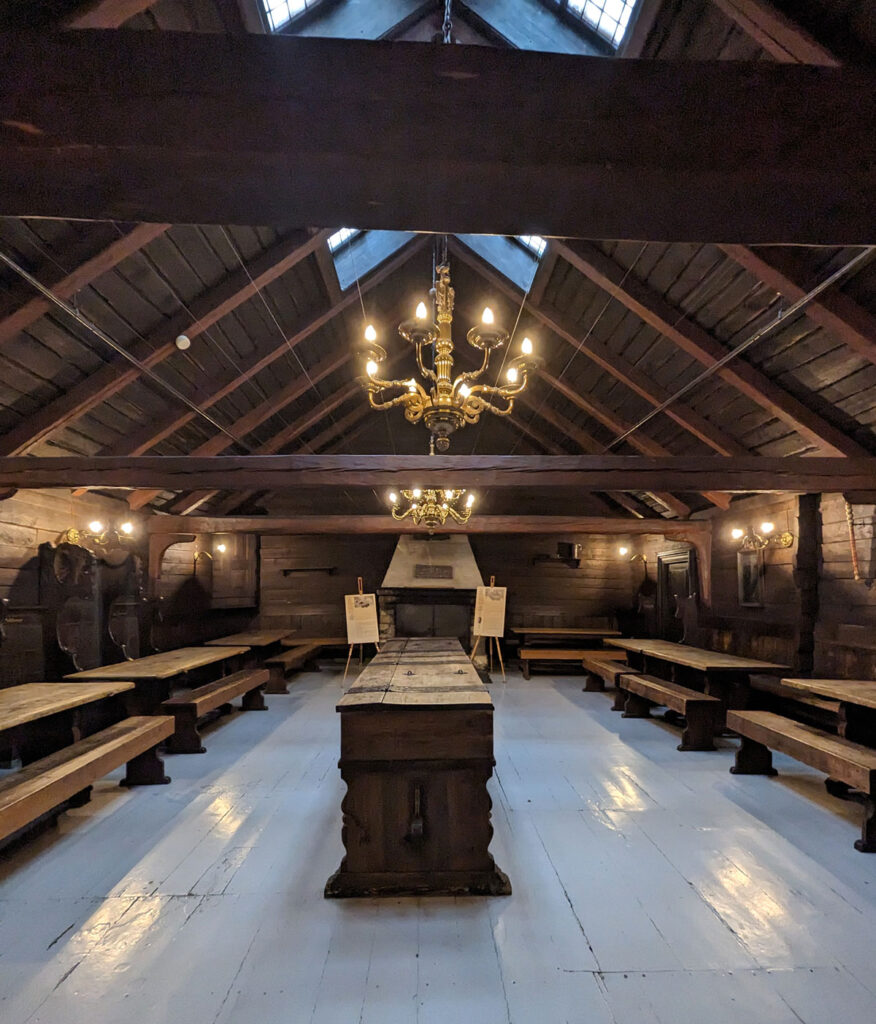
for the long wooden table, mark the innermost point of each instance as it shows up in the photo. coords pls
(155, 675)
(262, 643)
(725, 676)
(416, 754)
(57, 707)
(857, 704)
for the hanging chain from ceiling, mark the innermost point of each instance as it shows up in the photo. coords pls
(447, 27)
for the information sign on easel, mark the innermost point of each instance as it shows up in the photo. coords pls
(361, 611)
(489, 620)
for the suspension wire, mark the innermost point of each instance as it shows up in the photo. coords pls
(147, 371)
(783, 315)
(447, 27)
(583, 341)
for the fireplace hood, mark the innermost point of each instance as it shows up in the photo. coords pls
(433, 563)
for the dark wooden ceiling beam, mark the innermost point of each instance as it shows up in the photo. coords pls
(638, 440)
(105, 13)
(834, 310)
(116, 374)
(696, 342)
(284, 129)
(77, 279)
(614, 364)
(588, 444)
(585, 472)
(782, 38)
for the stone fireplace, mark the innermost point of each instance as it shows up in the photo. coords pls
(429, 588)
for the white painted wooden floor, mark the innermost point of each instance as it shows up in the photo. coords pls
(649, 885)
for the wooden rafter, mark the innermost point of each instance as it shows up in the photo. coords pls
(782, 38)
(83, 275)
(223, 147)
(599, 353)
(207, 309)
(834, 310)
(105, 13)
(585, 472)
(694, 340)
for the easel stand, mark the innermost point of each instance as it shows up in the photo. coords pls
(492, 641)
(360, 646)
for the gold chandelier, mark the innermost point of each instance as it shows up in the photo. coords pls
(445, 404)
(431, 507)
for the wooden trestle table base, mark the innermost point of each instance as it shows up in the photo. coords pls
(416, 754)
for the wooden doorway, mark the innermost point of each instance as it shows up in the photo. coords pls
(676, 578)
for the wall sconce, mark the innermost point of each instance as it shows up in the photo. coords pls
(221, 548)
(764, 537)
(99, 535)
(624, 551)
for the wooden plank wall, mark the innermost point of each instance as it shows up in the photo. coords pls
(28, 519)
(845, 638)
(541, 594)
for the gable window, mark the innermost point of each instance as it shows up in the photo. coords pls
(535, 243)
(340, 238)
(609, 17)
(280, 12)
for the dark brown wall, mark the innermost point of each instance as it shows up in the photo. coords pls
(540, 594)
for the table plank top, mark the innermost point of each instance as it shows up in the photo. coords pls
(164, 665)
(849, 691)
(418, 673)
(555, 631)
(30, 701)
(325, 641)
(250, 638)
(696, 657)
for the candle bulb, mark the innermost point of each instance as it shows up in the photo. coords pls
(512, 375)
(487, 315)
(421, 311)
(526, 347)
(370, 333)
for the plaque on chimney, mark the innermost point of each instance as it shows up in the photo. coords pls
(433, 572)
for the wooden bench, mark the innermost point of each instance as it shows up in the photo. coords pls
(188, 707)
(280, 664)
(702, 714)
(847, 764)
(603, 668)
(528, 654)
(64, 778)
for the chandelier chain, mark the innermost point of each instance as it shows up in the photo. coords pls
(447, 27)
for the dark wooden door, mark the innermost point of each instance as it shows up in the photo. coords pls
(676, 578)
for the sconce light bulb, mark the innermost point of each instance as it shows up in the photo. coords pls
(487, 315)
(371, 367)
(221, 548)
(737, 534)
(767, 528)
(526, 347)
(370, 333)
(393, 497)
(511, 375)
(464, 390)
(444, 504)
(469, 501)
(416, 492)
(127, 527)
(421, 311)
(412, 386)
(623, 551)
(448, 495)
(95, 526)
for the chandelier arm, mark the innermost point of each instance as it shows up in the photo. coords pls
(497, 410)
(424, 370)
(473, 374)
(390, 403)
(404, 515)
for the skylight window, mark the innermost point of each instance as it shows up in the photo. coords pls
(609, 17)
(281, 12)
(340, 238)
(535, 243)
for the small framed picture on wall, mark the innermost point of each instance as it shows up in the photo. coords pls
(749, 578)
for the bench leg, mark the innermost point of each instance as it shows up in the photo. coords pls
(867, 842)
(698, 730)
(276, 680)
(524, 668)
(753, 759)
(620, 697)
(594, 684)
(254, 700)
(81, 798)
(146, 769)
(186, 739)
(637, 707)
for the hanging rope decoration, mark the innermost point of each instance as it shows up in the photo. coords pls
(853, 545)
